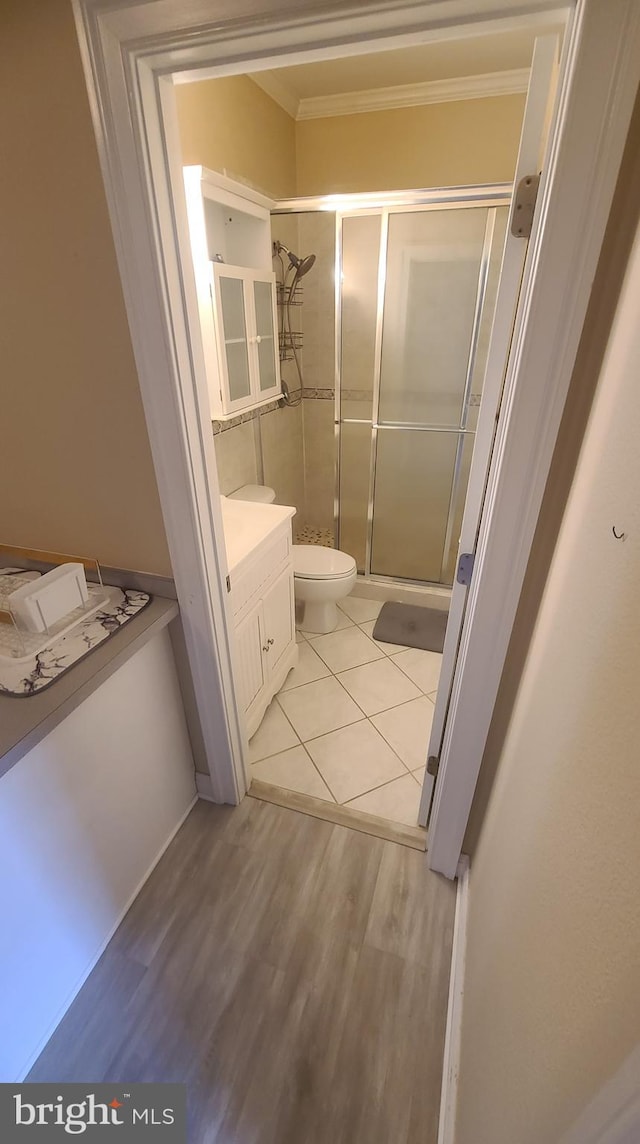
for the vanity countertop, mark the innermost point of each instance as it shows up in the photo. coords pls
(247, 524)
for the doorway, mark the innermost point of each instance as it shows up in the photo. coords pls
(138, 139)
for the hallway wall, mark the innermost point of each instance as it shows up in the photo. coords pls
(75, 466)
(551, 1003)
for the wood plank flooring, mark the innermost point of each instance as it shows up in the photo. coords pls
(293, 973)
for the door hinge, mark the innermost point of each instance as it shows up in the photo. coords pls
(228, 583)
(524, 203)
(465, 568)
(433, 762)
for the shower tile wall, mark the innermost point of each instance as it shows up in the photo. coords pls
(236, 457)
(282, 453)
(319, 449)
(277, 435)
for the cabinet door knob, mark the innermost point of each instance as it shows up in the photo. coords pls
(258, 339)
(265, 647)
(270, 643)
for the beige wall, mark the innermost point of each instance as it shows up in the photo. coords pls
(439, 145)
(75, 468)
(551, 1002)
(231, 125)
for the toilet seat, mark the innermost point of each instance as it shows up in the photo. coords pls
(313, 562)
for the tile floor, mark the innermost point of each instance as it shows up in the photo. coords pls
(352, 721)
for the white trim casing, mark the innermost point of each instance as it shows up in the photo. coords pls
(451, 1062)
(602, 74)
(172, 381)
(203, 787)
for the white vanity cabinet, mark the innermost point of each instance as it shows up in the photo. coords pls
(236, 324)
(243, 312)
(262, 603)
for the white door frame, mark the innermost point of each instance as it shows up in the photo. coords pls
(129, 50)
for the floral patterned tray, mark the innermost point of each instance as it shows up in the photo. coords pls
(22, 678)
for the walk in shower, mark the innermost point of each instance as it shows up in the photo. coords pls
(396, 324)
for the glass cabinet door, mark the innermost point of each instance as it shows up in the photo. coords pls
(265, 336)
(235, 338)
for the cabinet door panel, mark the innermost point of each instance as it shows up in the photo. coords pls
(264, 304)
(249, 674)
(278, 613)
(235, 337)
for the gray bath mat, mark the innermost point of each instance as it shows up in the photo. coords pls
(412, 626)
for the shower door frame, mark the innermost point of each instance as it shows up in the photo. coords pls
(384, 204)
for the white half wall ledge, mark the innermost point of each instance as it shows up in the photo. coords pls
(84, 818)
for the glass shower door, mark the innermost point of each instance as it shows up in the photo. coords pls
(441, 269)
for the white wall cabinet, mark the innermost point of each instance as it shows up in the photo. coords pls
(243, 312)
(262, 602)
(230, 232)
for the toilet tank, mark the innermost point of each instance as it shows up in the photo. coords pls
(262, 494)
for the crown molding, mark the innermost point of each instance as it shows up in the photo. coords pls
(415, 94)
(279, 91)
(512, 82)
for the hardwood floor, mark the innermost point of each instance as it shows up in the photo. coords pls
(293, 973)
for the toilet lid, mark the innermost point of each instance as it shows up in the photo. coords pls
(314, 562)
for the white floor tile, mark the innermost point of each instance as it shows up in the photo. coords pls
(274, 734)
(319, 707)
(423, 667)
(419, 773)
(398, 801)
(388, 648)
(345, 649)
(407, 729)
(308, 668)
(354, 760)
(300, 637)
(379, 685)
(359, 609)
(294, 770)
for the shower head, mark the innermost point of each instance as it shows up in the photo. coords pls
(302, 265)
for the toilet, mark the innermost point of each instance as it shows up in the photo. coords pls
(321, 576)
(261, 494)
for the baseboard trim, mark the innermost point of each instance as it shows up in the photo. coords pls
(99, 952)
(411, 836)
(451, 1063)
(204, 786)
